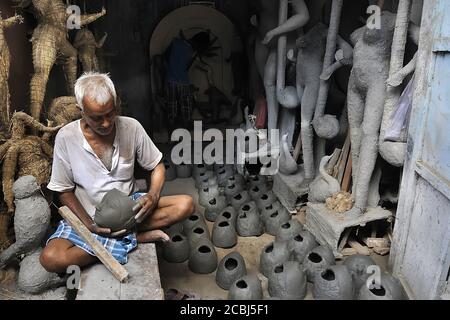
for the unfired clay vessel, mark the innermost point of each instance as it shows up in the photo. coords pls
(247, 287)
(198, 232)
(333, 283)
(231, 268)
(273, 254)
(214, 207)
(288, 281)
(249, 223)
(203, 257)
(257, 191)
(115, 211)
(357, 266)
(230, 214)
(265, 200)
(241, 198)
(193, 220)
(324, 185)
(288, 230)
(287, 164)
(176, 250)
(317, 260)
(273, 219)
(301, 244)
(224, 234)
(390, 289)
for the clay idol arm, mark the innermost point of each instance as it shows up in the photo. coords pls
(89, 18)
(397, 78)
(12, 21)
(293, 23)
(344, 57)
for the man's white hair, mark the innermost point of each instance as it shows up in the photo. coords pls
(96, 86)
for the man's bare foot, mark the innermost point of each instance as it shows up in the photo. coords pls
(152, 236)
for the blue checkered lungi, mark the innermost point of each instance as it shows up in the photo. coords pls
(118, 247)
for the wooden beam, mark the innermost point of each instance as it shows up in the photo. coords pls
(359, 248)
(333, 161)
(343, 159)
(347, 176)
(298, 147)
(344, 239)
(105, 257)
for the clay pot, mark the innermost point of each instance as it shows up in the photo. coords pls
(201, 181)
(249, 223)
(194, 220)
(273, 254)
(257, 181)
(203, 257)
(230, 214)
(301, 245)
(214, 206)
(257, 191)
(115, 211)
(265, 200)
(288, 281)
(223, 174)
(274, 219)
(238, 200)
(232, 189)
(390, 289)
(317, 260)
(176, 250)
(199, 232)
(171, 173)
(174, 228)
(247, 287)
(184, 171)
(224, 234)
(357, 266)
(206, 194)
(287, 231)
(333, 283)
(197, 169)
(237, 179)
(271, 207)
(231, 268)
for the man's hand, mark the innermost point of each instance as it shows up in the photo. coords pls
(146, 204)
(106, 232)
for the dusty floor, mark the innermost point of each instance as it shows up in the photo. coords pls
(178, 275)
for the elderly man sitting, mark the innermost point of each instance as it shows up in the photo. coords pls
(95, 155)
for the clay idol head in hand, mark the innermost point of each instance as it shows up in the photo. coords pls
(115, 211)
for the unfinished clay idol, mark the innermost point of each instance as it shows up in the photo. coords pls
(272, 255)
(231, 268)
(171, 173)
(203, 257)
(247, 287)
(317, 260)
(230, 214)
(115, 211)
(183, 170)
(357, 266)
(390, 288)
(333, 283)
(301, 245)
(224, 234)
(265, 200)
(238, 200)
(249, 223)
(288, 281)
(289, 230)
(33, 278)
(274, 219)
(287, 164)
(194, 220)
(176, 250)
(324, 186)
(214, 206)
(31, 219)
(199, 232)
